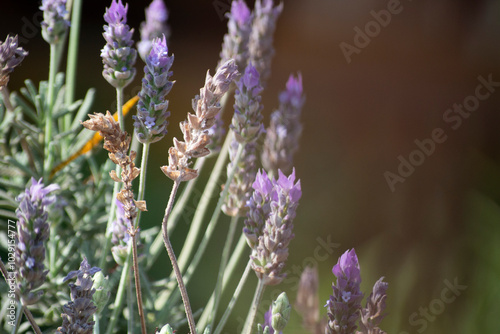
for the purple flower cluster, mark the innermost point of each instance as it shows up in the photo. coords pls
(151, 119)
(54, 24)
(344, 306)
(32, 231)
(239, 27)
(283, 134)
(345, 303)
(261, 37)
(118, 55)
(247, 120)
(11, 55)
(154, 26)
(269, 224)
(373, 313)
(77, 314)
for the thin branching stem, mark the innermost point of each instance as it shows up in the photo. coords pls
(171, 255)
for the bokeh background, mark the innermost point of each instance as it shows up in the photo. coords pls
(442, 224)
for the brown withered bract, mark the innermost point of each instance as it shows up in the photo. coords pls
(117, 142)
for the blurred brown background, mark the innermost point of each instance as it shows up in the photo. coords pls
(440, 225)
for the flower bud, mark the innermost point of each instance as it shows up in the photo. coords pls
(281, 312)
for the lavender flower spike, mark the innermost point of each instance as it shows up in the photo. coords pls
(154, 26)
(239, 27)
(118, 55)
(196, 128)
(32, 232)
(11, 55)
(373, 313)
(54, 24)
(247, 120)
(151, 119)
(345, 303)
(77, 316)
(261, 37)
(271, 251)
(283, 134)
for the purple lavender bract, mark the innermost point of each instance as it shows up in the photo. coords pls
(247, 120)
(260, 44)
(283, 134)
(11, 55)
(78, 312)
(345, 303)
(118, 55)
(33, 231)
(154, 26)
(269, 227)
(239, 27)
(151, 119)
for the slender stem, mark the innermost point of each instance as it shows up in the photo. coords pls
(228, 274)
(142, 179)
(222, 267)
(19, 315)
(259, 292)
(120, 295)
(76, 10)
(119, 107)
(138, 284)
(96, 324)
(6, 99)
(177, 211)
(171, 254)
(49, 107)
(234, 299)
(213, 221)
(111, 218)
(27, 312)
(130, 305)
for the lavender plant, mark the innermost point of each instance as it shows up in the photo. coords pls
(100, 207)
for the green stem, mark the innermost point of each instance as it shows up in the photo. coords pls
(171, 255)
(228, 274)
(222, 267)
(120, 295)
(76, 10)
(19, 315)
(130, 305)
(177, 211)
(234, 299)
(142, 179)
(213, 221)
(259, 292)
(111, 217)
(119, 107)
(50, 104)
(138, 285)
(96, 324)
